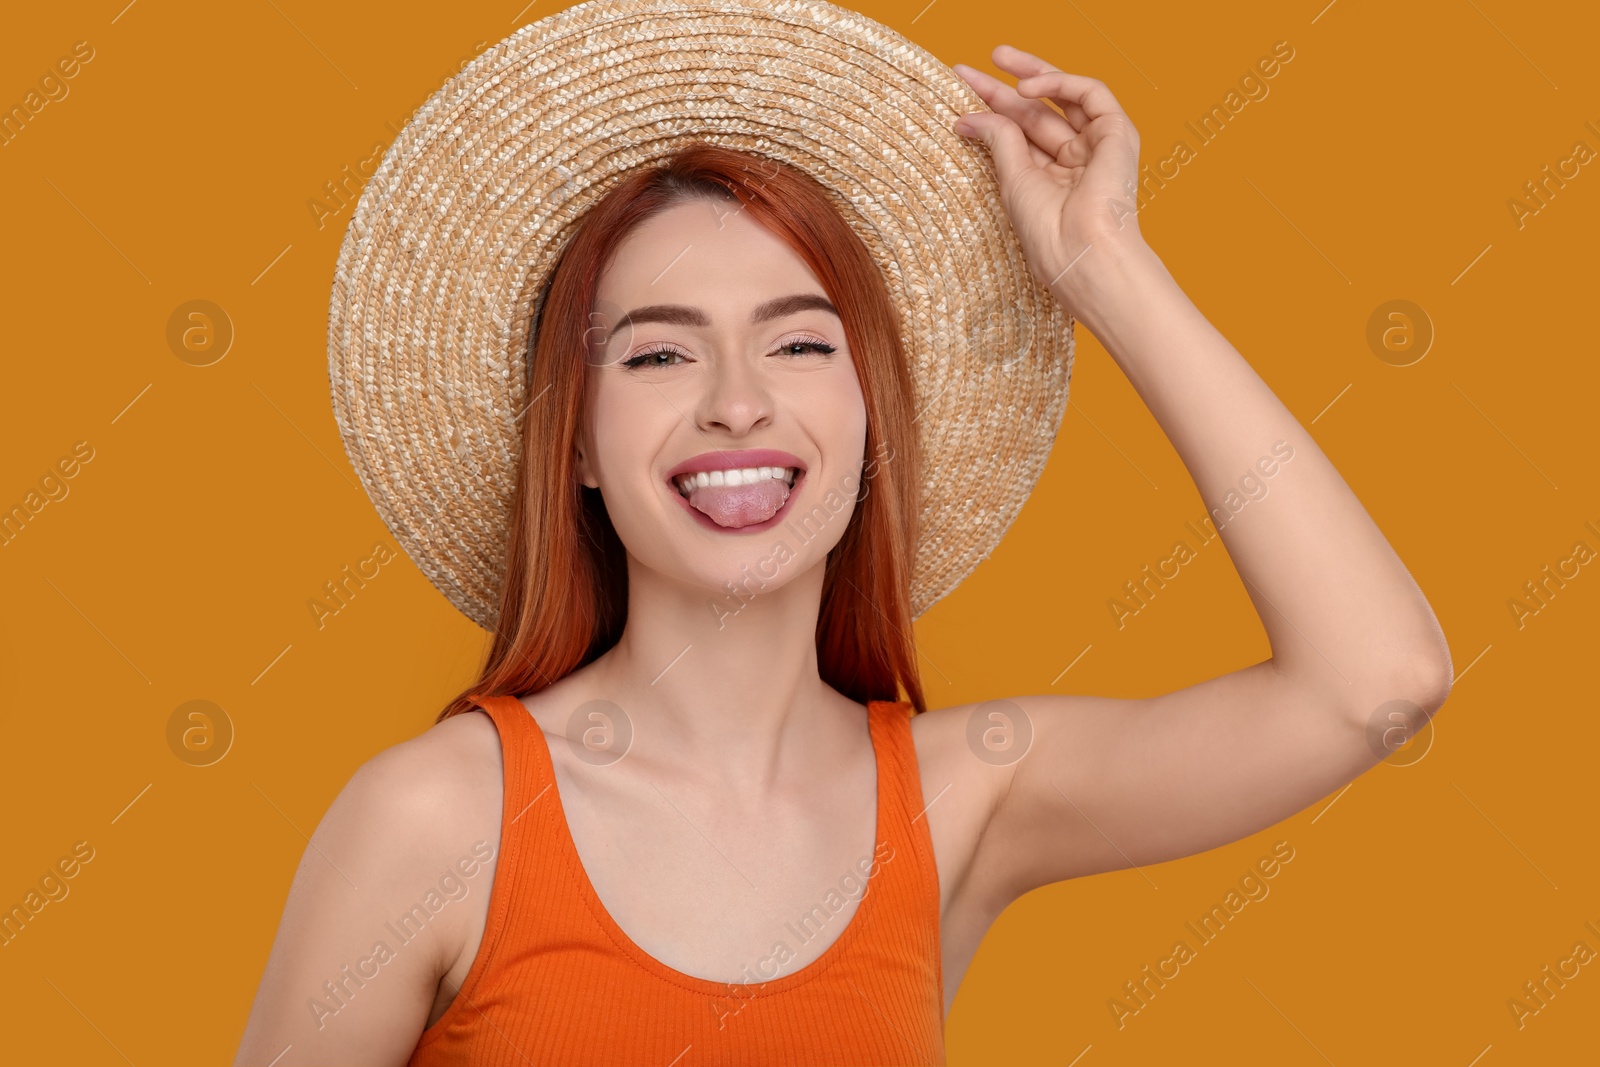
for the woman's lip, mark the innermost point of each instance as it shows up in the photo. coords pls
(705, 520)
(734, 459)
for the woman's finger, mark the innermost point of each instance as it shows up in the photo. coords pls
(1013, 154)
(1074, 112)
(1088, 94)
(1110, 124)
(1047, 131)
(1109, 153)
(1051, 85)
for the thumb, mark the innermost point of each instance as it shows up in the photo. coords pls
(1008, 145)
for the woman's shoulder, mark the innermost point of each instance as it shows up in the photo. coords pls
(387, 850)
(445, 779)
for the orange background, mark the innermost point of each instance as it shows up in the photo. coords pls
(219, 500)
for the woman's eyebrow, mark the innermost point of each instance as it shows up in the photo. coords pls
(684, 315)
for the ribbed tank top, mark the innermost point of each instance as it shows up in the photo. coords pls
(557, 981)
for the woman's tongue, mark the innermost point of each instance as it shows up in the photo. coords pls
(734, 506)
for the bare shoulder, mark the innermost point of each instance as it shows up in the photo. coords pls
(390, 845)
(437, 790)
(456, 760)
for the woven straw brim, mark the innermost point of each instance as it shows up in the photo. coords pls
(456, 233)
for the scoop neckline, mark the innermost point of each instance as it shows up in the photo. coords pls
(711, 986)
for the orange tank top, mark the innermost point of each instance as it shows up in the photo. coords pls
(557, 981)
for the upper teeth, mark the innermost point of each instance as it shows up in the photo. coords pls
(738, 476)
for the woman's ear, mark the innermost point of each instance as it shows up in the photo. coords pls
(580, 468)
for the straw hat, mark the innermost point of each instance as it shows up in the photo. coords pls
(443, 268)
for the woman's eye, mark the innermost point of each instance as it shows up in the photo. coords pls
(815, 346)
(662, 357)
(650, 359)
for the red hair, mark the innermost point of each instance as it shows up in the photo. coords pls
(564, 599)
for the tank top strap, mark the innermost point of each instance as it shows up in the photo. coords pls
(524, 774)
(906, 817)
(517, 866)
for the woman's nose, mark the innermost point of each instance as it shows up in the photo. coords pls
(736, 397)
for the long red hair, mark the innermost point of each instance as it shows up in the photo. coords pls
(564, 600)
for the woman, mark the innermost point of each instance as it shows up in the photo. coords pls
(722, 792)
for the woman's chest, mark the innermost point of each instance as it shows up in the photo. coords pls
(721, 887)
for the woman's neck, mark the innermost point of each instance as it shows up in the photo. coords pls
(729, 685)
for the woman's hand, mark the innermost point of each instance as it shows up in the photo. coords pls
(1068, 179)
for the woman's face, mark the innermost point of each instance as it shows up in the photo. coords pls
(682, 381)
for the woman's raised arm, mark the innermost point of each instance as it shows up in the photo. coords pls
(1115, 783)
